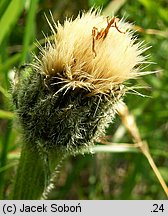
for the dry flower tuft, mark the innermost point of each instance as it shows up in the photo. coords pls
(91, 52)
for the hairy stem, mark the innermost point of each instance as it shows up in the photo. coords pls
(34, 172)
(29, 182)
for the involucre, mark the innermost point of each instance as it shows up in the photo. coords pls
(68, 95)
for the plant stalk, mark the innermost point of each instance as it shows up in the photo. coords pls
(29, 182)
(34, 172)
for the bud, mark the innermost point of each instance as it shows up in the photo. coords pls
(67, 97)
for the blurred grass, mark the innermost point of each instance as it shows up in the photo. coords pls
(29, 33)
(10, 16)
(112, 175)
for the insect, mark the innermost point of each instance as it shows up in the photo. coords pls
(97, 35)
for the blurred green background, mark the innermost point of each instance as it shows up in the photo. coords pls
(123, 175)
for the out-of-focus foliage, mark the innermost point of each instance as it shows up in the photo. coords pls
(124, 175)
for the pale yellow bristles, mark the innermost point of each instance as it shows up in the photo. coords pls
(79, 63)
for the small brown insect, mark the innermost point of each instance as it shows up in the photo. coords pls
(97, 35)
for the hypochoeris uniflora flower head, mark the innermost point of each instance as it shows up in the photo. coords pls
(92, 52)
(69, 95)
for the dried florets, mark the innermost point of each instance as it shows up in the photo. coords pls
(91, 52)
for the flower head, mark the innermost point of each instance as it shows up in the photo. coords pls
(91, 52)
(70, 93)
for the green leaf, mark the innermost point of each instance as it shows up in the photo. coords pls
(117, 148)
(29, 29)
(97, 3)
(10, 17)
(3, 5)
(6, 115)
(4, 92)
(11, 165)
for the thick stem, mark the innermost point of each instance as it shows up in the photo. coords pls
(30, 178)
(34, 173)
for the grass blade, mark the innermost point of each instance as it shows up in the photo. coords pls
(29, 29)
(10, 17)
(6, 115)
